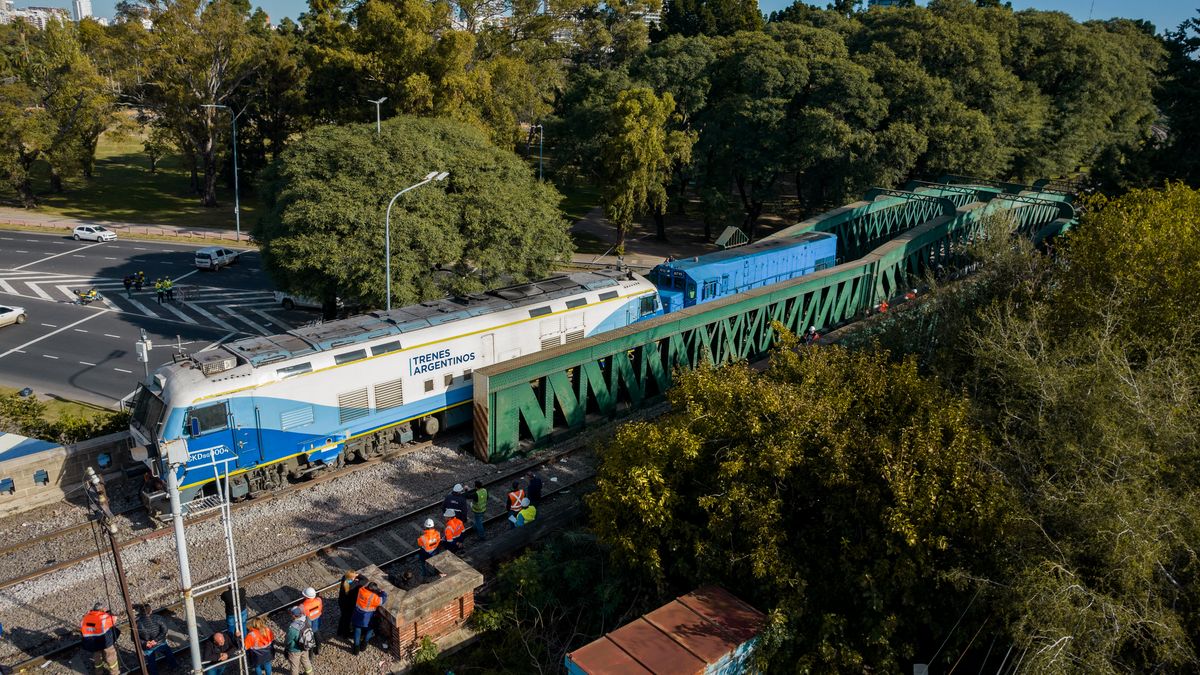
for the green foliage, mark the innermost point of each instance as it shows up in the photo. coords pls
(710, 17)
(426, 653)
(491, 222)
(844, 492)
(638, 156)
(1179, 99)
(27, 416)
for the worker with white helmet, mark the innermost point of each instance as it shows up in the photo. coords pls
(427, 546)
(313, 607)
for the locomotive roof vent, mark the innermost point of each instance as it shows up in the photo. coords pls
(215, 361)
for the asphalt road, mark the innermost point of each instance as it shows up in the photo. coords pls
(86, 353)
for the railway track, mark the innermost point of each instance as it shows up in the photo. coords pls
(64, 548)
(387, 542)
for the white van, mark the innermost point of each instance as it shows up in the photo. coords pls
(214, 258)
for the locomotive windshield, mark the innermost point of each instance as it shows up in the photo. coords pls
(148, 411)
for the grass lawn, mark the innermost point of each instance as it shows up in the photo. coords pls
(124, 191)
(578, 200)
(57, 408)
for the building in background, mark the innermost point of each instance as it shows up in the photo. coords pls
(37, 16)
(83, 9)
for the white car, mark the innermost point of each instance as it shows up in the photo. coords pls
(11, 315)
(94, 233)
(215, 257)
(289, 301)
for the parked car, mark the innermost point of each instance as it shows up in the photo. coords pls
(214, 258)
(11, 315)
(94, 233)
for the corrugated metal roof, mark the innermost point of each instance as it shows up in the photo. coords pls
(681, 637)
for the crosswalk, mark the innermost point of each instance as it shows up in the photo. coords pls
(236, 311)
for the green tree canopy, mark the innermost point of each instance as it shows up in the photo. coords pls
(710, 17)
(491, 222)
(845, 494)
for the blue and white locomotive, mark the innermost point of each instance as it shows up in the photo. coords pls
(280, 407)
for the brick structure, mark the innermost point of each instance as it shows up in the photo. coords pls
(50, 473)
(434, 610)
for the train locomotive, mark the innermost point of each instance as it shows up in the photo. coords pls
(280, 407)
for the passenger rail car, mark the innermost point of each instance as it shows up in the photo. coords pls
(692, 281)
(283, 406)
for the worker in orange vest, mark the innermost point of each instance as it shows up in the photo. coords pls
(313, 606)
(515, 497)
(454, 530)
(883, 306)
(428, 544)
(370, 597)
(260, 646)
(99, 632)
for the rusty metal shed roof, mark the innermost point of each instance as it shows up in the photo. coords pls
(681, 637)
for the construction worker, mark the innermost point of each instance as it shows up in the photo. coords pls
(514, 498)
(883, 306)
(152, 631)
(259, 646)
(313, 607)
(99, 632)
(456, 501)
(347, 594)
(454, 531)
(479, 508)
(370, 597)
(812, 336)
(428, 544)
(525, 516)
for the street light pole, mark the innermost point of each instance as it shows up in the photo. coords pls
(387, 229)
(377, 104)
(541, 137)
(237, 206)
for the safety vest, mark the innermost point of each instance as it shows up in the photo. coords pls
(514, 500)
(368, 600)
(430, 539)
(256, 639)
(96, 623)
(312, 607)
(529, 514)
(454, 529)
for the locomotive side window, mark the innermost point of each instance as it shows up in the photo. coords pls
(710, 289)
(211, 418)
(294, 370)
(607, 295)
(647, 305)
(577, 302)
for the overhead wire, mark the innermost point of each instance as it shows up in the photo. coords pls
(951, 633)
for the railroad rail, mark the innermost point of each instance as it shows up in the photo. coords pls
(382, 543)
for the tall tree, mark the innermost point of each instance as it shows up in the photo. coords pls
(1179, 98)
(640, 151)
(710, 17)
(490, 223)
(202, 54)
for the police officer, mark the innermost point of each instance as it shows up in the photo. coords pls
(99, 637)
(313, 607)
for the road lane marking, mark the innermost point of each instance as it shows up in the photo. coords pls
(122, 370)
(47, 356)
(200, 310)
(32, 241)
(186, 275)
(139, 248)
(8, 288)
(38, 289)
(218, 342)
(171, 308)
(75, 256)
(108, 257)
(80, 330)
(85, 363)
(144, 309)
(56, 255)
(244, 319)
(112, 336)
(52, 333)
(49, 325)
(22, 251)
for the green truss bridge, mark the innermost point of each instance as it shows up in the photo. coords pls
(886, 243)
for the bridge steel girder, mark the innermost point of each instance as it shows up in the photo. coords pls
(552, 394)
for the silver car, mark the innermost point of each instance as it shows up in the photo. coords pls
(11, 315)
(93, 233)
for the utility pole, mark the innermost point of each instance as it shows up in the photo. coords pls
(142, 348)
(98, 502)
(377, 104)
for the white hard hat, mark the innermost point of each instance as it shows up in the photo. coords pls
(525, 501)
(310, 592)
(458, 487)
(448, 513)
(428, 522)
(812, 329)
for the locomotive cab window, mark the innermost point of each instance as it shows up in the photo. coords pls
(648, 305)
(210, 418)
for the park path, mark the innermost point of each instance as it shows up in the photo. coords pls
(642, 250)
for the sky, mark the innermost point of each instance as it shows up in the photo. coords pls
(1162, 13)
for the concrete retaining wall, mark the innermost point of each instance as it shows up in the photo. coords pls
(64, 467)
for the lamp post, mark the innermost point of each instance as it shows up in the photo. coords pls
(387, 228)
(237, 207)
(377, 104)
(540, 138)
